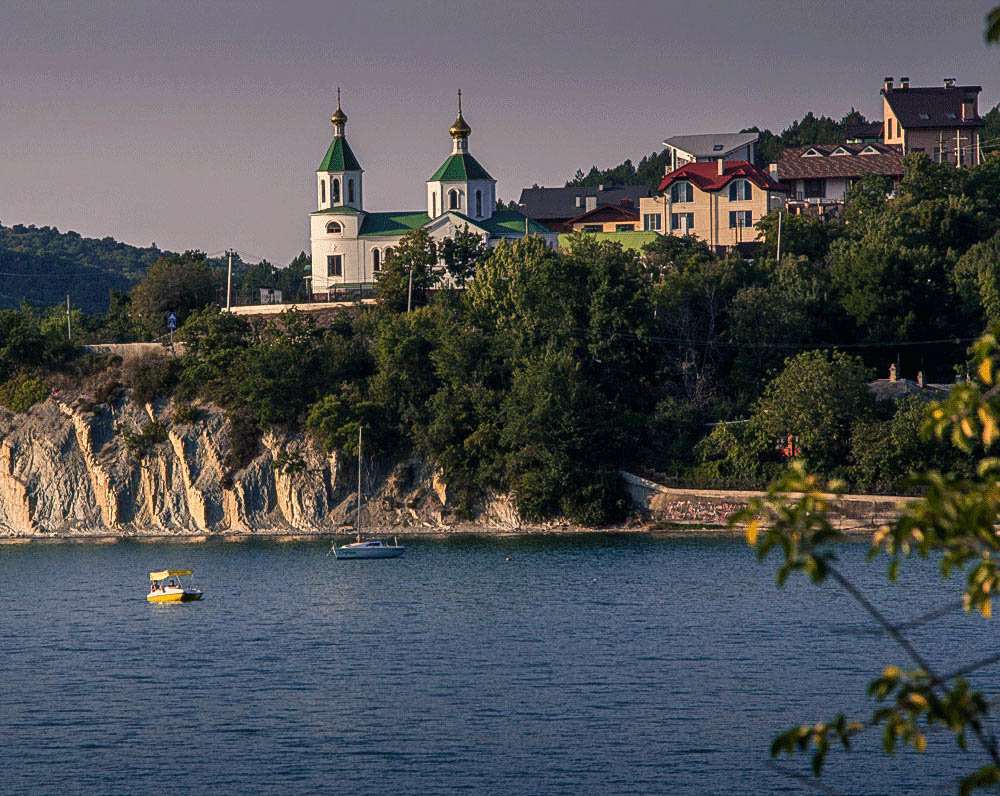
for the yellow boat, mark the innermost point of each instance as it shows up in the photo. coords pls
(172, 591)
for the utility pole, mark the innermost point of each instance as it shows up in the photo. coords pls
(357, 521)
(69, 319)
(229, 282)
(409, 291)
(779, 237)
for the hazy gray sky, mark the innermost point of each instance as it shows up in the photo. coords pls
(200, 124)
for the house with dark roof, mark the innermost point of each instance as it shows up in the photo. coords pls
(823, 173)
(941, 121)
(350, 243)
(606, 218)
(554, 207)
(864, 133)
(708, 147)
(717, 201)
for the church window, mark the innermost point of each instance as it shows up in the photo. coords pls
(334, 190)
(434, 205)
(350, 190)
(334, 228)
(453, 199)
(376, 260)
(322, 191)
(479, 203)
(335, 265)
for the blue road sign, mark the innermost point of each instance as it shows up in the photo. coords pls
(171, 320)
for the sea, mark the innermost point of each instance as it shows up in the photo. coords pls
(583, 664)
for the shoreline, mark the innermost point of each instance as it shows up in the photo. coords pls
(672, 530)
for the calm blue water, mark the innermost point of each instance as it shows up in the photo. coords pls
(599, 664)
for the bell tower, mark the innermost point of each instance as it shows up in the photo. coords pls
(338, 178)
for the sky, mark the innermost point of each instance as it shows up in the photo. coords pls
(199, 125)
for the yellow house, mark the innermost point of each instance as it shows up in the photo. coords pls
(943, 122)
(716, 201)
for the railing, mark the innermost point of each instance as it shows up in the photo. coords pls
(345, 291)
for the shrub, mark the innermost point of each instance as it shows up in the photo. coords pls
(150, 376)
(185, 414)
(22, 392)
(289, 463)
(140, 442)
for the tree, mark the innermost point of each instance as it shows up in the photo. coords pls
(177, 283)
(955, 522)
(416, 254)
(801, 235)
(462, 254)
(993, 26)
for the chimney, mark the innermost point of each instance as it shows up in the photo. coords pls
(904, 82)
(887, 86)
(591, 203)
(579, 201)
(892, 372)
(722, 166)
(600, 187)
(949, 82)
(920, 379)
(773, 171)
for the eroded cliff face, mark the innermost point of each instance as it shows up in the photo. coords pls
(65, 470)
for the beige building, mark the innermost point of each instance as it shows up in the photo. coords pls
(941, 121)
(716, 201)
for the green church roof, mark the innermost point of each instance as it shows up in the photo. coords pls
(339, 157)
(336, 210)
(388, 224)
(461, 167)
(507, 222)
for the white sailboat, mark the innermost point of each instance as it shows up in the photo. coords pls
(373, 548)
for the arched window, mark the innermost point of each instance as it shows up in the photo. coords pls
(739, 190)
(350, 190)
(479, 203)
(334, 228)
(376, 260)
(681, 192)
(334, 190)
(322, 191)
(453, 199)
(386, 252)
(434, 205)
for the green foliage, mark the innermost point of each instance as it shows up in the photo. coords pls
(44, 264)
(416, 254)
(140, 442)
(462, 255)
(993, 26)
(27, 340)
(151, 376)
(22, 392)
(805, 236)
(290, 280)
(649, 172)
(185, 414)
(810, 129)
(335, 420)
(177, 283)
(289, 463)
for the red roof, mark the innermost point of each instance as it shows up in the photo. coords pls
(705, 176)
(606, 213)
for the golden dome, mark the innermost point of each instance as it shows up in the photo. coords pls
(460, 129)
(339, 117)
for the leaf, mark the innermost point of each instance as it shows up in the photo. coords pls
(986, 371)
(752, 528)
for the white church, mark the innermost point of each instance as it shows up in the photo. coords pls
(349, 243)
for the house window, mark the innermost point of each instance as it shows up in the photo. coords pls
(376, 261)
(322, 191)
(334, 228)
(334, 190)
(624, 227)
(812, 153)
(739, 190)
(682, 221)
(814, 189)
(651, 221)
(350, 190)
(740, 218)
(967, 111)
(335, 265)
(592, 227)
(453, 199)
(681, 192)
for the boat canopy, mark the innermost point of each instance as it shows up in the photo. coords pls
(167, 573)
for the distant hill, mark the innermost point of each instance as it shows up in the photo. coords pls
(42, 264)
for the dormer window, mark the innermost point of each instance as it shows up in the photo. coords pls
(924, 116)
(840, 151)
(869, 150)
(951, 115)
(681, 192)
(740, 191)
(812, 153)
(334, 228)
(717, 148)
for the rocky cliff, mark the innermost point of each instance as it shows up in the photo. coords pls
(71, 469)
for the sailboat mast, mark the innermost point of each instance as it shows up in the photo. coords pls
(357, 520)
